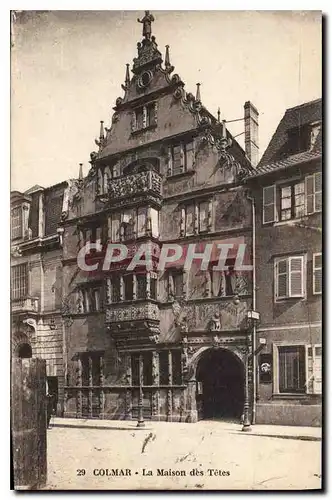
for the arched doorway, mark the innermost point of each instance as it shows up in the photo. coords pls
(220, 385)
(24, 351)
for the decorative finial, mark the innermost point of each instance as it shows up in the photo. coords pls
(167, 61)
(223, 132)
(198, 92)
(146, 21)
(101, 133)
(127, 79)
(218, 114)
(80, 172)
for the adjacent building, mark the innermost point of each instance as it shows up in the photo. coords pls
(287, 188)
(36, 280)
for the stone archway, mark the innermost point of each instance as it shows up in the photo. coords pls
(220, 385)
(22, 341)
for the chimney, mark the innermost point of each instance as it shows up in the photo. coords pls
(251, 132)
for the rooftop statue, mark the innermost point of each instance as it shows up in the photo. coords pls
(146, 21)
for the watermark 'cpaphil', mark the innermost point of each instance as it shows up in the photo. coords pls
(93, 256)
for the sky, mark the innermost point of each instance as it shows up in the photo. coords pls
(67, 68)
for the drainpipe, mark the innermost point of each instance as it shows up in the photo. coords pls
(254, 332)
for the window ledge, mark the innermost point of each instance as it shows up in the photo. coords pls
(291, 222)
(181, 174)
(198, 233)
(289, 396)
(286, 299)
(288, 222)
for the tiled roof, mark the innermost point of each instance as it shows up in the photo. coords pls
(276, 156)
(287, 162)
(298, 116)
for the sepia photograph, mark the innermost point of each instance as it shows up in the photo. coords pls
(166, 250)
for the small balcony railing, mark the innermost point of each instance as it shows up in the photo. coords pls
(143, 310)
(135, 184)
(25, 304)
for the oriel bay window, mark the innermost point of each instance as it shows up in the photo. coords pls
(137, 286)
(292, 200)
(128, 287)
(133, 223)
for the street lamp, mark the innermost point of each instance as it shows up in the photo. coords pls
(140, 421)
(253, 317)
(246, 426)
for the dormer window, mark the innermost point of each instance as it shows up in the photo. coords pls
(16, 226)
(19, 222)
(302, 138)
(315, 129)
(298, 139)
(144, 117)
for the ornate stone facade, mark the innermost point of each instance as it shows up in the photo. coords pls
(165, 163)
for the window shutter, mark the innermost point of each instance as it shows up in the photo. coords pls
(269, 204)
(317, 370)
(314, 369)
(115, 228)
(317, 273)
(296, 276)
(203, 215)
(177, 160)
(281, 279)
(154, 214)
(310, 194)
(190, 217)
(190, 155)
(310, 372)
(141, 221)
(318, 192)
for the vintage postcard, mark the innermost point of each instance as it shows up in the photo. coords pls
(166, 250)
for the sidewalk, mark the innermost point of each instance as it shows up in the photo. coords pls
(272, 431)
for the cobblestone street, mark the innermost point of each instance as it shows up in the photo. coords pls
(206, 455)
